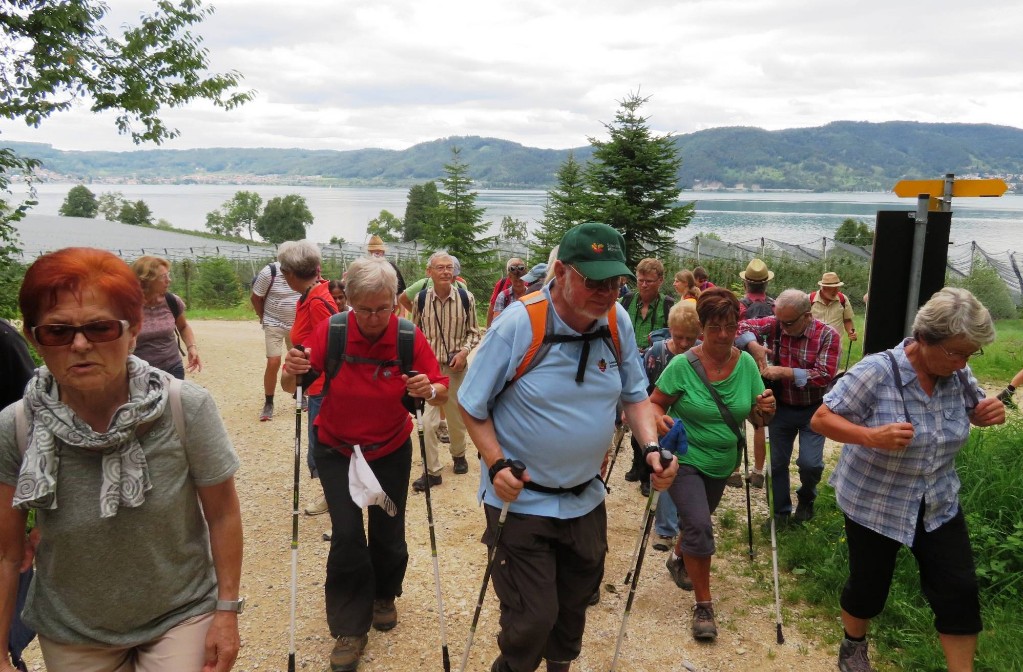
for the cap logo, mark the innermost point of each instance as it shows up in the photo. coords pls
(598, 248)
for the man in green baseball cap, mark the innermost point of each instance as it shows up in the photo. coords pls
(596, 250)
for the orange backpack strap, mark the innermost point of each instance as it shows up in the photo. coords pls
(612, 325)
(536, 307)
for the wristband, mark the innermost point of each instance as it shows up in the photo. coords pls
(498, 466)
(1011, 388)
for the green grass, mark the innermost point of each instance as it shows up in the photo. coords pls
(903, 637)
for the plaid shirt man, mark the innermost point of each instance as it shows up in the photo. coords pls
(812, 355)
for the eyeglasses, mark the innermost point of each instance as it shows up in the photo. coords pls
(517, 268)
(166, 275)
(100, 331)
(449, 268)
(718, 328)
(642, 281)
(366, 312)
(597, 285)
(789, 323)
(959, 355)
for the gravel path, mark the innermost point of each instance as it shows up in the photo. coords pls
(658, 629)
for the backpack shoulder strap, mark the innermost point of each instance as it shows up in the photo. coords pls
(970, 395)
(898, 382)
(406, 344)
(726, 415)
(172, 304)
(668, 303)
(841, 299)
(813, 297)
(20, 425)
(421, 303)
(627, 300)
(177, 411)
(536, 307)
(612, 326)
(337, 341)
(464, 295)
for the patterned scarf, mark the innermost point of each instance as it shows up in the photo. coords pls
(52, 424)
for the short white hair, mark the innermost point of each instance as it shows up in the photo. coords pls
(952, 312)
(369, 275)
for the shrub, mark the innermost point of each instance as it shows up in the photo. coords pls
(990, 289)
(217, 285)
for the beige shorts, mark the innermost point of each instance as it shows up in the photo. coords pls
(180, 649)
(276, 338)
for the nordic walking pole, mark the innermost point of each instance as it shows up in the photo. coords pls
(294, 519)
(518, 468)
(749, 508)
(433, 535)
(774, 540)
(648, 519)
(643, 533)
(618, 436)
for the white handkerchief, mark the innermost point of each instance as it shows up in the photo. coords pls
(364, 486)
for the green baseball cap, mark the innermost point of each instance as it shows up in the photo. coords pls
(597, 250)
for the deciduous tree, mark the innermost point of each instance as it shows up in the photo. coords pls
(385, 225)
(633, 183)
(56, 53)
(79, 202)
(284, 218)
(136, 214)
(110, 203)
(239, 213)
(513, 229)
(854, 232)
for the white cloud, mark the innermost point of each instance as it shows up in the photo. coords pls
(346, 74)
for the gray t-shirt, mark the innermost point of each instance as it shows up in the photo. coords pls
(128, 579)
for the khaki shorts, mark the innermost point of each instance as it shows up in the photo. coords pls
(180, 649)
(276, 338)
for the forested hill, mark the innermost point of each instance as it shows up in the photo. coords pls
(837, 157)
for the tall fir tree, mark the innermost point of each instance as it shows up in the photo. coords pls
(422, 199)
(456, 224)
(565, 207)
(633, 184)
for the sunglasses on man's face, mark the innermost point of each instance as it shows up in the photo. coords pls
(517, 268)
(100, 331)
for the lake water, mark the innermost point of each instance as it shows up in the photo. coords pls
(995, 224)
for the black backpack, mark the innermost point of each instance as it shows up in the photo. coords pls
(462, 294)
(755, 309)
(337, 342)
(666, 304)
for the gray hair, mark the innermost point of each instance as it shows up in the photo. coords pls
(796, 299)
(508, 264)
(439, 254)
(953, 312)
(300, 258)
(370, 275)
(551, 258)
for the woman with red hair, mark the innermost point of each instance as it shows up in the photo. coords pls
(131, 476)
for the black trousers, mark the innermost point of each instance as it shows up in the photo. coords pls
(361, 570)
(545, 571)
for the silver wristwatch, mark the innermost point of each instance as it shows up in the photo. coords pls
(236, 606)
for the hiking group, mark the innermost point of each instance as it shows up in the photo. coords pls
(569, 357)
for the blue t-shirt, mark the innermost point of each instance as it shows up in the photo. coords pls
(559, 428)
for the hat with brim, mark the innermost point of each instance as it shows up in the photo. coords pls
(756, 271)
(538, 272)
(830, 279)
(596, 250)
(376, 244)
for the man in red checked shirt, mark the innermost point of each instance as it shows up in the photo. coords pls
(801, 357)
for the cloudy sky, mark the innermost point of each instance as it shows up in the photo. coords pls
(349, 74)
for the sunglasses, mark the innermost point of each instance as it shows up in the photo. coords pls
(100, 331)
(519, 268)
(598, 285)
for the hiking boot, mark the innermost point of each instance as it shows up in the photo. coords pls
(852, 657)
(558, 667)
(644, 488)
(756, 478)
(316, 507)
(442, 433)
(268, 412)
(385, 614)
(594, 598)
(461, 465)
(781, 522)
(677, 569)
(664, 543)
(499, 665)
(704, 627)
(636, 473)
(419, 485)
(735, 480)
(347, 651)
(804, 512)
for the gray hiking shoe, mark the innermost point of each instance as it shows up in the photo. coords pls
(677, 569)
(704, 627)
(852, 657)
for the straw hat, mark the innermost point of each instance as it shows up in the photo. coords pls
(830, 279)
(757, 271)
(376, 244)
